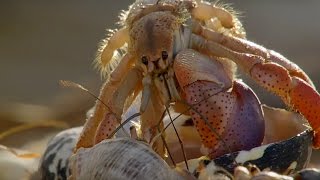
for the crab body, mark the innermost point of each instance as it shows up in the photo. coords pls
(184, 54)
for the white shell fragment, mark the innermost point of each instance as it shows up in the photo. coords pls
(120, 159)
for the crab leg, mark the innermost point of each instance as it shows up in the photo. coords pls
(245, 46)
(205, 11)
(227, 115)
(116, 41)
(89, 131)
(151, 113)
(293, 86)
(118, 101)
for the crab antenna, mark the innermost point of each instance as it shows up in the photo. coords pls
(163, 139)
(137, 115)
(124, 123)
(190, 107)
(71, 84)
(181, 143)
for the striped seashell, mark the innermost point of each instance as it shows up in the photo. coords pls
(55, 161)
(120, 158)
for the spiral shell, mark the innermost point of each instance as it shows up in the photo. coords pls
(120, 158)
(55, 161)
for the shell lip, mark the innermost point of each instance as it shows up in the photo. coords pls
(290, 155)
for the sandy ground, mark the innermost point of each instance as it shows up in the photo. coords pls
(43, 42)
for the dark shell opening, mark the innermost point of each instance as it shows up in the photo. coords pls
(287, 146)
(283, 157)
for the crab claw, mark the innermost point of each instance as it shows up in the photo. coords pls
(307, 101)
(269, 69)
(294, 91)
(227, 115)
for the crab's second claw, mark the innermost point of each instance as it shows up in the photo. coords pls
(296, 92)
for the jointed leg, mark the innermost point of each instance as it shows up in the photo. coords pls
(119, 98)
(205, 11)
(151, 116)
(116, 41)
(244, 46)
(89, 131)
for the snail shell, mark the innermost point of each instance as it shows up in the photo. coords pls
(55, 161)
(120, 158)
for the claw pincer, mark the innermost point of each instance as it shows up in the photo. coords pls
(227, 115)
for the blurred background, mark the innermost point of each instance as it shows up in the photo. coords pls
(42, 42)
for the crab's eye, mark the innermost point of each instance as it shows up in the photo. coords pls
(144, 60)
(164, 55)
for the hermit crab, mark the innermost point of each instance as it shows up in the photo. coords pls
(184, 54)
(180, 57)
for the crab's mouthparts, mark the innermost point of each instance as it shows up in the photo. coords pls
(166, 83)
(167, 86)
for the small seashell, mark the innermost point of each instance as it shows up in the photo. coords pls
(120, 158)
(55, 161)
